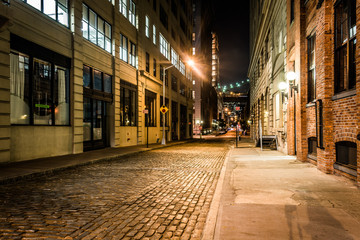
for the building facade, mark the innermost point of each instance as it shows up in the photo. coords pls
(320, 84)
(267, 69)
(89, 74)
(323, 54)
(205, 94)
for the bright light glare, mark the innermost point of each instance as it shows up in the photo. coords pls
(191, 63)
(282, 85)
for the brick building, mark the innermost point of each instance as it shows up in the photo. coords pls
(320, 86)
(322, 52)
(78, 75)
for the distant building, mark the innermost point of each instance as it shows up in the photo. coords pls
(81, 75)
(205, 43)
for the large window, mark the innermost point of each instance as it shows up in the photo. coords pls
(128, 104)
(345, 45)
(123, 48)
(346, 154)
(164, 46)
(56, 9)
(150, 102)
(41, 98)
(311, 69)
(95, 29)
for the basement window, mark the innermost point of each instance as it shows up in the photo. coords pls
(346, 154)
(312, 143)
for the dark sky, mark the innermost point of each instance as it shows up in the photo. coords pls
(232, 27)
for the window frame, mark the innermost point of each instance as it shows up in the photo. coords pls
(105, 25)
(57, 6)
(311, 65)
(35, 52)
(132, 89)
(344, 51)
(150, 103)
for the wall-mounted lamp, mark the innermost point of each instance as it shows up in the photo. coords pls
(283, 87)
(291, 77)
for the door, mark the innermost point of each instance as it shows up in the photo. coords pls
(94, 124)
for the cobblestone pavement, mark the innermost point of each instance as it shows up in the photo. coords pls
(161, 194)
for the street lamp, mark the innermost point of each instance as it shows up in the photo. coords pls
(163, 141)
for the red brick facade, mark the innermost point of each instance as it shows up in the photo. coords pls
(340, 110)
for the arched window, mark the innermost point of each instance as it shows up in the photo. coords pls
(346, 154)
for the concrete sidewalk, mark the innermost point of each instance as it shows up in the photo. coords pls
(268, 195)
(18, 170)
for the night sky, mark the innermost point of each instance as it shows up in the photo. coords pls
(232, 27)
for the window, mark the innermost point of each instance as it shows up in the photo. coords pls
(150, 102)
(292, 11)
(345, 45)
(154, 67)
(346, 154)
(164, 47)
(132, 55)
(132, 12)
(97, 80)
(123, 7)
(128, 104)
(147, 26)
(182, 67)
(96, 29)
(162, 75)
(312, 143)
(154, 34)
(56, 9)
(147, 64)
(41, 98)
(123, 48)
(163, 17)
(174, 85)
(174, 58)
(277, 110)
(311, 70)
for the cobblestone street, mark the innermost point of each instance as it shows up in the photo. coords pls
(161, 194)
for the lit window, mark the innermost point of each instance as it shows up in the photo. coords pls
(164, 46)
(96, 29)
(56, 9)
(132, 12)
(154, 34)
(174, 58)
(147, 26)
(132, 54)
(123, 7)
(182, 67)
(123, 48)
(41, 98)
